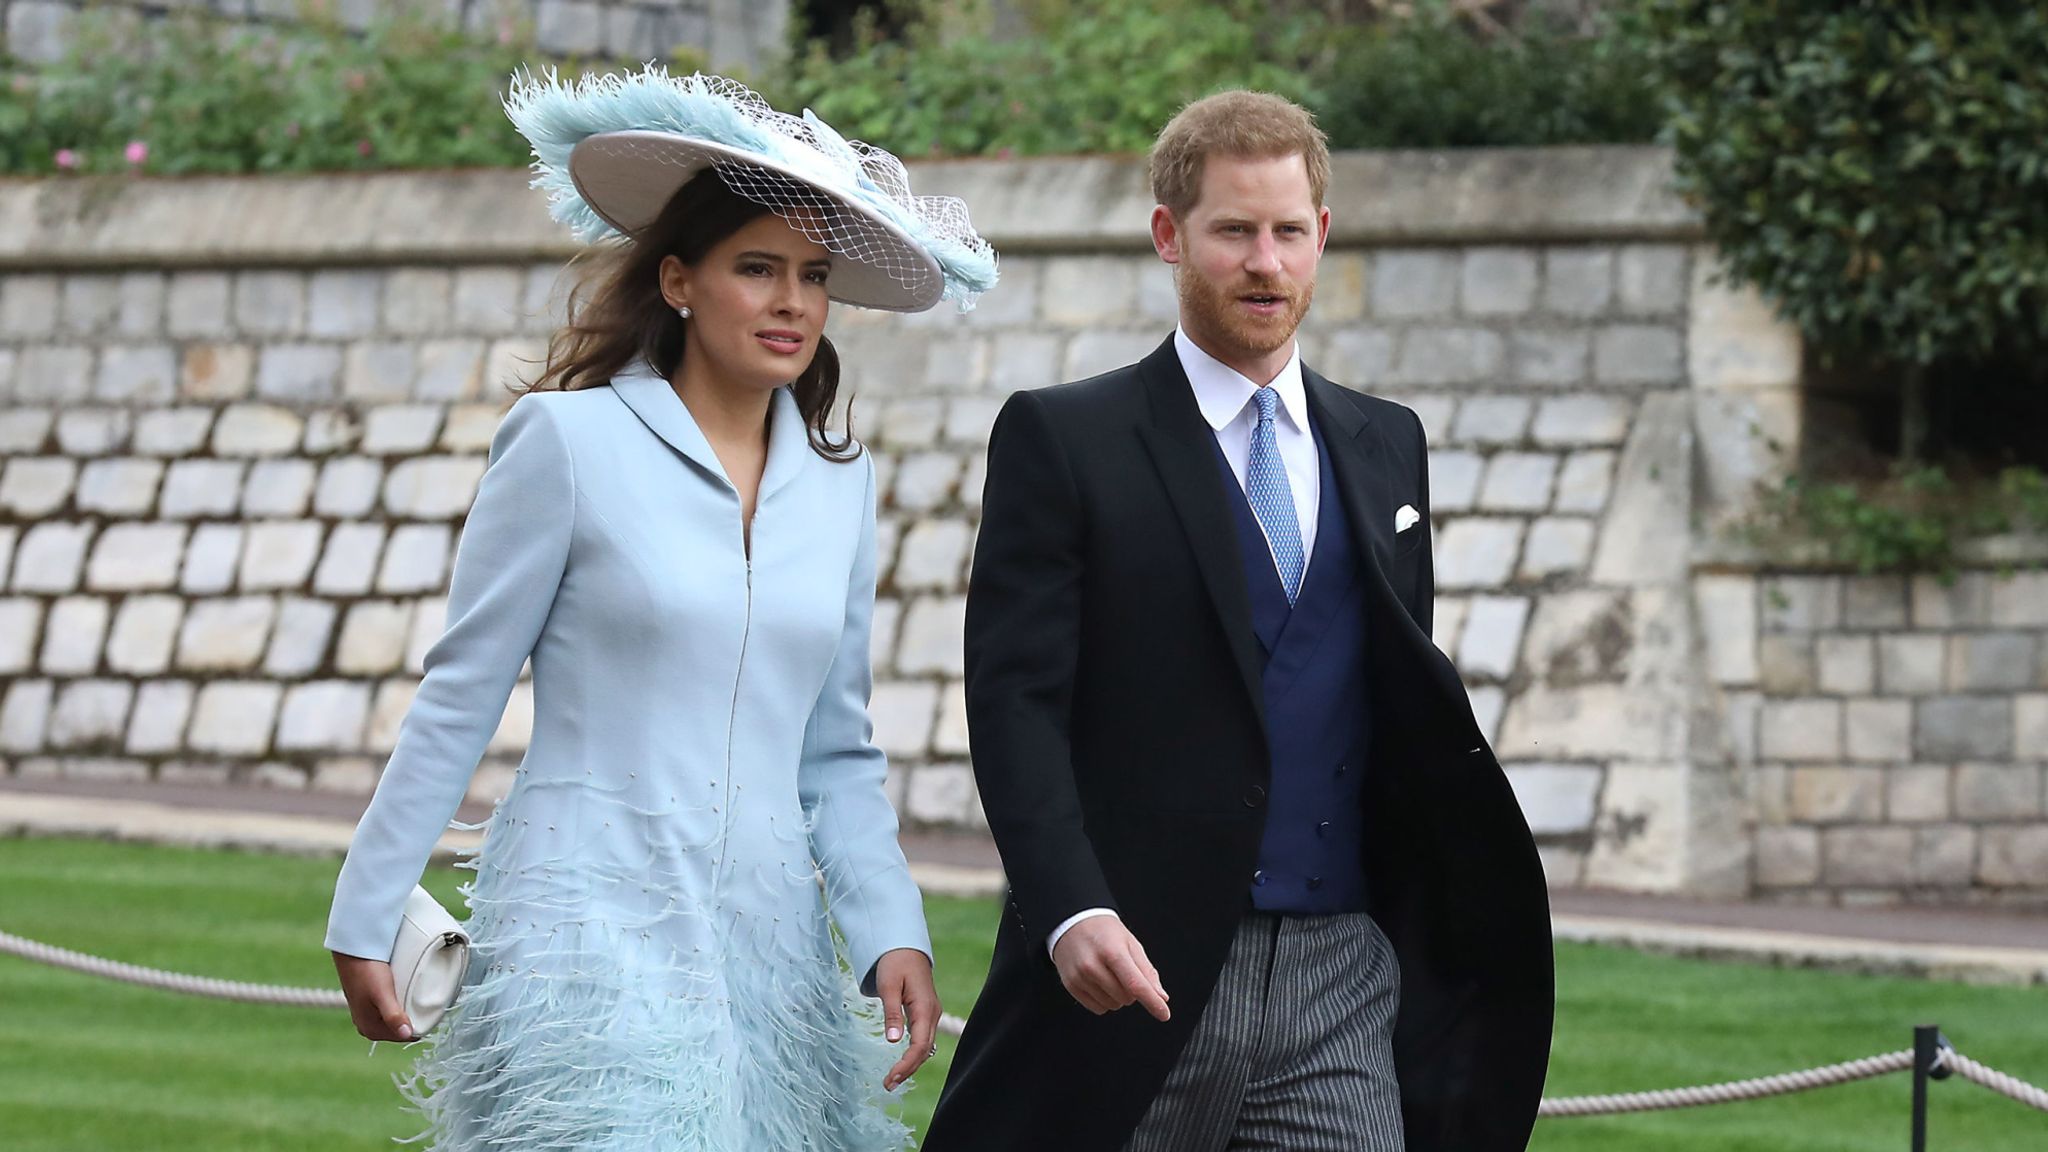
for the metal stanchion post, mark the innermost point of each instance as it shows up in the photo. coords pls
(1928, 1043)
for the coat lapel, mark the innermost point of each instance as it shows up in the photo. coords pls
(655, 402)
(1358, 460)
(1183, 449)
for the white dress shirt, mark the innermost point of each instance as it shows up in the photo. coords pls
(1225, 397)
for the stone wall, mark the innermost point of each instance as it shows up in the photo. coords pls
(728, 32)
(239, 448)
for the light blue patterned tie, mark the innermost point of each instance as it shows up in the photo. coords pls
(1272, 498)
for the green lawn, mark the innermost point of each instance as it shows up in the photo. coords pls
(88, 1064)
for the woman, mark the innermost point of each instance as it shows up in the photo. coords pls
(667, 530)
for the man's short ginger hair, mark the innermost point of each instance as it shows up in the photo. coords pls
(1248, 125)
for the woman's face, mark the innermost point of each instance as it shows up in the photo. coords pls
(757, 304)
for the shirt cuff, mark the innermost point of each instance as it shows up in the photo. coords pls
(1053, 941)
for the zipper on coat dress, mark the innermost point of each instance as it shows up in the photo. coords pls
(724, 858)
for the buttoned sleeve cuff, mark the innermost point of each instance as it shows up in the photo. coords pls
(1053, 941)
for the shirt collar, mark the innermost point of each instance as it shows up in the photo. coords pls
(1222, 392)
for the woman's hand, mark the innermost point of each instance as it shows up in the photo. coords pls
(373, 998)
(903, 979)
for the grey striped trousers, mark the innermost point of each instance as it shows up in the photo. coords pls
(1295, 1050)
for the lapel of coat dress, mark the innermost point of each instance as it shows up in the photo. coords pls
(1183, 449)
(655, 402)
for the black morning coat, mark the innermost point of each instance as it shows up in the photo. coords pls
(1114, 712)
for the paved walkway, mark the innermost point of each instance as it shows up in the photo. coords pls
(1969, 944)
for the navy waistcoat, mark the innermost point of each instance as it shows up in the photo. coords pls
(1311, 859)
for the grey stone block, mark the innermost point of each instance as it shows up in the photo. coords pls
(139, 304)
(1545, 356)
(1787, 856)
(400, 429)
(1846, 665)
(157, 722)
(197, 306)
(569, 27)
(373, 638)
(34, 487)
(74, 635)
(234, 718)
(1454, 480)
(93, 431)
(1414, 282)
(298, 641)
(326, 715)
(1518, 482)
(2030, 726)
(1915, 794)
(933, 635)
(932, 555)
(1950, 728)
(172, 431)
(25, 715)
(278, 488)
(119, 487)
(1944, 857)
(1583, 484)
(957, 365)
(1801, 730)
(270, 304)
(50, 557)
(1491, 639)
(257, 430)
(1872, 857)
(91, 300)
(1652, 278)
(216, 371)
(2020, 600)
(25, 431)
(379, 370)
(1491, 420)
(1994, 662)
(341, 303)
(29, 305)
(2015, 857)
(225, 635)
(1964, 603)
(1361, 357)
(1088, 291)
(489, 301)
(90, 712)
(417, 301)
(1556, 799)
(415, 559)
(1638, 354)
(1727, 623)
(348, 564)
(925, 481)
(1025, 360)
(1092, 353)
(211, 558)
(279, 554)
(970, 418)
(1837, 795)
(299, 373)
(1785, 664)
(1802, 603)
(1998, 792)
(52, 374)
(1446, 356)
(910, 423)
(1575, 421)
(1876, 602)
(1557, 546)
(1910, 664)
(1880, 730)
(1578, 281)
(202, 487)
(145, 632)
(903, 713)
(432, 487)
(21, 622)
(1477, 552)
(40, 32)
(133, 557)
(1499, 281)
(348, 486)
(940, 793)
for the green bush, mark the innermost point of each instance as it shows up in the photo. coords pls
(1878, 169)
(1912, 520)
(314, 97)
(1104, 75)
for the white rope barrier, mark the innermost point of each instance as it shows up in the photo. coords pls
(1760, 1088)
(1757, 1089)
(2008, 1086)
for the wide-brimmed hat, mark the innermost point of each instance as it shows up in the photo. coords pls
(612, 150)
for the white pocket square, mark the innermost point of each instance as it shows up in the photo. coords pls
(1405, 517)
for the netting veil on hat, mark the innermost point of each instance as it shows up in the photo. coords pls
(611, 150)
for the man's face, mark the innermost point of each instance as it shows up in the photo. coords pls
(1245, 256)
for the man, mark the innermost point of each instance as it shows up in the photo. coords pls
(1233, 782)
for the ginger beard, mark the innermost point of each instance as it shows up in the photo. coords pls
(1226, 315)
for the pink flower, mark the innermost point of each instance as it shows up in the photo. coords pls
(66, 159)
(137, 153)
(356, 81)
(362, 147)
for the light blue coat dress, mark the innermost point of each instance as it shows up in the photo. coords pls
(653, 967)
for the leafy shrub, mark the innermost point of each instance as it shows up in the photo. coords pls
(1913, 520)
(1879, 170)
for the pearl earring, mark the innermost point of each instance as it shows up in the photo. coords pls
(684, 311)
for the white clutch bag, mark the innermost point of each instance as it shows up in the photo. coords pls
(428, 960)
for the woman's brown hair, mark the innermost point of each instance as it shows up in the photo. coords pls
(617, 315)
